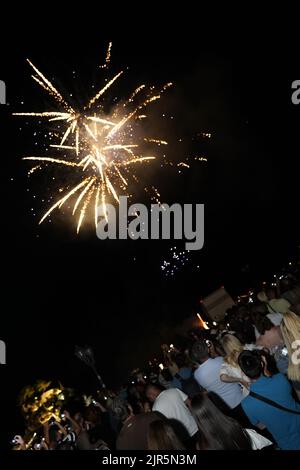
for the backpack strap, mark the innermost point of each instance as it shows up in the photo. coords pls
(273, 403)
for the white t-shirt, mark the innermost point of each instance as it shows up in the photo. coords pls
(171, 403)
(257, 440)
(208, 376)
(275, 317)
(236, 372)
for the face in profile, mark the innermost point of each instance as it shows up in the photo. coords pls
(152, 394)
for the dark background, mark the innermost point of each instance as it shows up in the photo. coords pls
(59, 289)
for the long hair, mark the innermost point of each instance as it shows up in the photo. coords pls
(290, 329)
(232, 347)
(161, 436)
(218, 432)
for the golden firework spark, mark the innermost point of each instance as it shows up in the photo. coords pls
(203, 324)
(101, 149)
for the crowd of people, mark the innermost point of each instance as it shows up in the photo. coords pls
(235, 386)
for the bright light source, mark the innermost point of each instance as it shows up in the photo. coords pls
(203, 323)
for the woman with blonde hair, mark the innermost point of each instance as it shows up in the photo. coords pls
(230, 370)
(290, 330)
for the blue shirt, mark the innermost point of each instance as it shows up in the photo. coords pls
(185, 373)
(208, 376)
(284, 426)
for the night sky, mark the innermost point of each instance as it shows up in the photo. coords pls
(59, 289)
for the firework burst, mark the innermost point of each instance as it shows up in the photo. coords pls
(174, 261)
(102, 150)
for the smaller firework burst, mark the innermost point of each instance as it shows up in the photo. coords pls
(175, 260)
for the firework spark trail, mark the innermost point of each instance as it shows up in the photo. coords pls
(77, 142)
(97, 152)
(133, 113)
(134, 94)
(82, 194)
(183, 164)
(104, 89)
(121, 176)
(64, 199)
(111, 188)
(156, 141)
(50, 88)
(45, 114)
(33, 169)
(52, 160)
(103, 199)
(136, 160)
(66, 147)
(97, 197)
(101, 121)
(83, 210)
(66, 134)
(107, 58)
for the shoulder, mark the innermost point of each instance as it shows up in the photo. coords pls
(281, 380)
(164, 396)
(217, 360)
(181, 394)
(171, 392)
(164, 399)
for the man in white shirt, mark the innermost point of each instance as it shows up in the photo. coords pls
(208, 375)
(172, 403)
